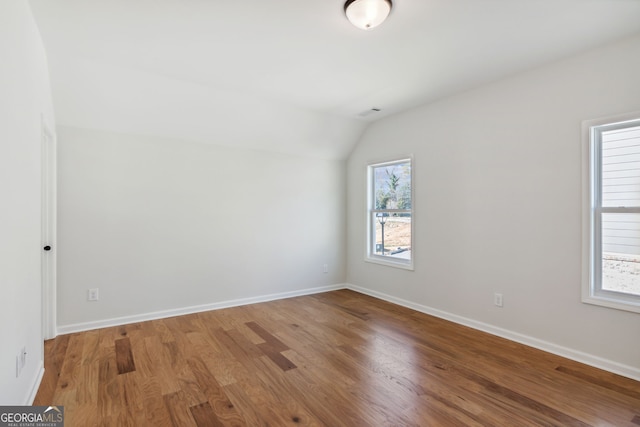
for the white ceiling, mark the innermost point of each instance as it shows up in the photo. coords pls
(294, 75)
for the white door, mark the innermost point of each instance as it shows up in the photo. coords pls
(48, 232)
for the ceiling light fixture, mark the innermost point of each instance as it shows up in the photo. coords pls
(367, 14)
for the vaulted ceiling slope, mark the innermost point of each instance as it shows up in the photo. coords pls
(294, 75)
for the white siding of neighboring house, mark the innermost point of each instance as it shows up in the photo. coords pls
(621, 187)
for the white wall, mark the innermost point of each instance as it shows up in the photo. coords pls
(162, 225)
(498, 205)
(24, 86)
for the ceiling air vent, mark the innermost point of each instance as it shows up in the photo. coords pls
(369, 112)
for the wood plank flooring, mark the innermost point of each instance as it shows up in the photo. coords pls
(333, 359)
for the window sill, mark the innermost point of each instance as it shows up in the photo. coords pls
(613, 302)
(402, 264)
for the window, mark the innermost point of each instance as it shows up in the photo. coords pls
(390, 213)
(612, 228)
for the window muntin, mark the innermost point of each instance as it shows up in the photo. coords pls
(390, 213)
(614, 215)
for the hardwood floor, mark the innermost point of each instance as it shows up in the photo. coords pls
(332, 359)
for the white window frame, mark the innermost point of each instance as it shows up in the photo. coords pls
(370, 254)
(592, 292)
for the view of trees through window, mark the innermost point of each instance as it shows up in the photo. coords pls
(391, 215)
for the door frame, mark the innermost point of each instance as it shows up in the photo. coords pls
(49, 208)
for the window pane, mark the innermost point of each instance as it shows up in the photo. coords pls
(392, 186)
(390, 213)
(621, 167)
(392, 235)
(621, 252)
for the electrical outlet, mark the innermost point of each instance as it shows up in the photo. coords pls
(497, 299)
(92, 294)
(325, 268)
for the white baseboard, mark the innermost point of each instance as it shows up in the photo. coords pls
(35, 385)
(87, 326)
(578, 356)
(589, 359)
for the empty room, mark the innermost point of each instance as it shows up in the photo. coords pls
(320, 212)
